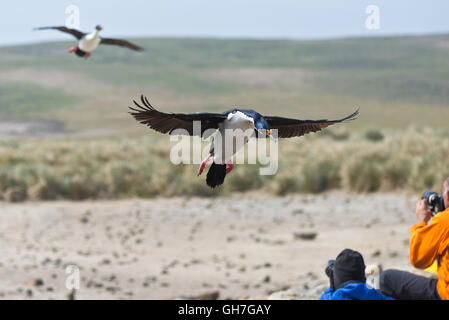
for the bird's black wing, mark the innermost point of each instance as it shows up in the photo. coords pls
(122, 43)
(76, 33)
(167, 122)
(288, 128)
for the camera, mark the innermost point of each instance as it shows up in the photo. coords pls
(434, 201)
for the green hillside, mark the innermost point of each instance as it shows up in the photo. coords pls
(400, 85)
(396, 81)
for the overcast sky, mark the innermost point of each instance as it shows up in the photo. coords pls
(286, 19)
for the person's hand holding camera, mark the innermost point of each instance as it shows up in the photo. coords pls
(423, 213)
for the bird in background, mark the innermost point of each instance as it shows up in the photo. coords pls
(234, 119)
(88, 42)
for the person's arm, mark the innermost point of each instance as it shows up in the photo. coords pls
(425, 238)
(327, 294)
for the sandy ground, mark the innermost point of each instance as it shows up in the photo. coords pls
(243, 246)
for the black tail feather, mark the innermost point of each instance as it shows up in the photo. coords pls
(216, 175)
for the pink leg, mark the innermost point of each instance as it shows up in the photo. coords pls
(87, 55)
(204, 163)
(73, 49)
(229, 167)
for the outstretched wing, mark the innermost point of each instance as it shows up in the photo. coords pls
(120, 42)
(76, 33)
(167, 122)
(288, 128)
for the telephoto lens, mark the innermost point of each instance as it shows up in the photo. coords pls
(330, 272)
(435, 201)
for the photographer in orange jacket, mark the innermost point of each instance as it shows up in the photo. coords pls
(429, 241)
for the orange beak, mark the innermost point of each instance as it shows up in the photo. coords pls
(269, 131)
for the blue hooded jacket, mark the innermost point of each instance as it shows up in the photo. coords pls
(354, 291)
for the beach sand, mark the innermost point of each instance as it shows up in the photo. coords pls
(242, 246)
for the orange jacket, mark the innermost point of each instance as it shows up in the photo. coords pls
(430, 242)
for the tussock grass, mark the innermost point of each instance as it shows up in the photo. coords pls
(374, 135)
(80, 169)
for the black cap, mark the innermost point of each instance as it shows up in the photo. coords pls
(349, 266)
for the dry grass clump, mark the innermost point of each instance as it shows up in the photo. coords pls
(286, 183)
(248, 178)
(374, 135)
(80, 169)
(321, 175)
(364, 173)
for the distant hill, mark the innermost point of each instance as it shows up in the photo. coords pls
(396, 81)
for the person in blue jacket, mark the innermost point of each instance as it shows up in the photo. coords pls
(347, 279)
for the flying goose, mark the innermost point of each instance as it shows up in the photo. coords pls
(233, 119)
(88, 42)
